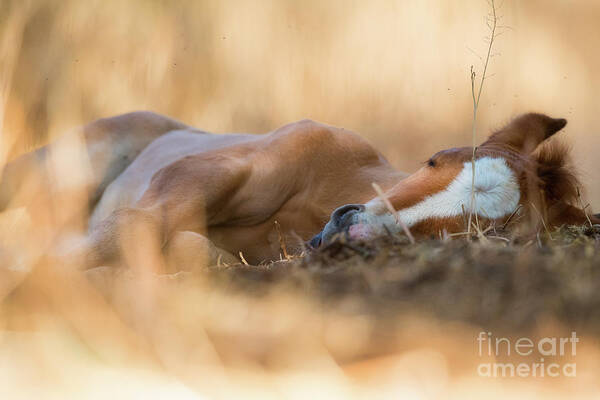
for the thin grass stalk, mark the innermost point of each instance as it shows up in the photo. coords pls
(391, 209)
(476, 100)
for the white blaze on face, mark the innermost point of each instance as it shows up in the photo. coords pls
(497, 194)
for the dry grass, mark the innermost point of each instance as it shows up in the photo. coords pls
(352, 321)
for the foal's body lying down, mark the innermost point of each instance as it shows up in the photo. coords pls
(234, 187)
(247, 193)
(183, 185)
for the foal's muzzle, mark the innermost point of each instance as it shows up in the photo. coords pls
(315, 242)
(339, 222)
(342, 216)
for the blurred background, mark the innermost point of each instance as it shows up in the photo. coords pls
(397, 72)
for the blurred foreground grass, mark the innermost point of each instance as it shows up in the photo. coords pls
(353, 320)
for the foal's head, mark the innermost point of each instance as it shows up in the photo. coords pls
(514, 174)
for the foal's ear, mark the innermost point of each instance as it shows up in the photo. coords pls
(526, 132)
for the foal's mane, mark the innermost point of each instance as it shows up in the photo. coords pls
(547, 170)
(555, 172)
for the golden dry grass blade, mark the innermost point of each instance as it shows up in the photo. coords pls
(390, 208)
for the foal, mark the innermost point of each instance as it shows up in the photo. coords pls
(194, 193)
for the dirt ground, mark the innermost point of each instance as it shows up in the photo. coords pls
(347, 321)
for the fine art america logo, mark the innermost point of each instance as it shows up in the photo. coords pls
(535, 358)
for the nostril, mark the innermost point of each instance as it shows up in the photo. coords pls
(341, 214)
(315, 242)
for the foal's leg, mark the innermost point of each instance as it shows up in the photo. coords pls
(129, 236)
(186, 252)
(188, 195)
(190, 251)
